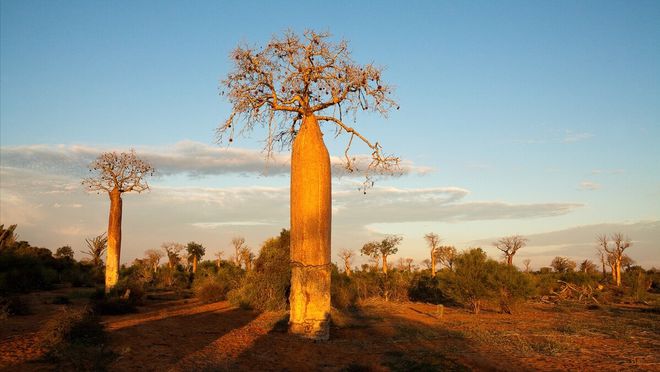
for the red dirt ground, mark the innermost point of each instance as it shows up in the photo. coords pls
(184, 335)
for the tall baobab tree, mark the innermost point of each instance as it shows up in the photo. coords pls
(289, 86)
(384, 248)
(195, 253)
(614, 253)
(509, 246)
(346, 255)
(433, 240)
(117, 173)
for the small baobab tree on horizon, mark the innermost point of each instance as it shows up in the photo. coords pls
(446, 255)
(614, 253)
(195, 253)
(239, 243)
(383, 249)
(116, 174)
(509, 245)
(433, 240)
(96, 247)
(288, 86)
(346, 255)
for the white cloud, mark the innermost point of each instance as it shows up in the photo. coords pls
(571, 136)
(191, 158)
(589, 186)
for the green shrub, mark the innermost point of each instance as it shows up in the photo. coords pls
(212, 287)
(343, 292)
(267, 285)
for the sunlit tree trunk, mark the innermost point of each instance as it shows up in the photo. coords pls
(618, 273)
(433, 263)
(114, 240)
(194, 264)
(509, 259)
(384, 264)
(310, 233)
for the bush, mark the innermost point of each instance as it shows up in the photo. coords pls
(343, 292)
(13, 305)
(426, 288)
(267, 286)
(71, 326)
(212, 287)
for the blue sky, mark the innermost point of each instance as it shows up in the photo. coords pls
(520, 104)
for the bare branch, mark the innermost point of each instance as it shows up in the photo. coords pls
(124, 172)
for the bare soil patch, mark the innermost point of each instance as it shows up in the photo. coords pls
(184, 334)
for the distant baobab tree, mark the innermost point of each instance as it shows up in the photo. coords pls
(219, 255)
(117, 174)
(153, 258)
(446, 255)
(384, 248)
(528, 264)
(346, 255)
(433, 240)
(614, 253)
(173, 252)
(509, 246)
(96, 246)
(288, 86)
(195, 253)
(239, 243)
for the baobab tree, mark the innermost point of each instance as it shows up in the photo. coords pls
(116, 174)
(446, 255)
(433, 240)
(173, 253)
(219, 255)
(384, 248)
(346, 255)
(153, 258)
(195, 253)
(246, 256)
(96, 246)
(509, 246)
(527, 264)
(288, 87)
(239, 243)
(615, 252)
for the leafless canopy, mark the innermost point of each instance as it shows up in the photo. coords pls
(124, 172)
(510, 245)
(292, 77)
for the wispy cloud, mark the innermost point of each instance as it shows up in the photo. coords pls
(607, 171)
(567, 136)
(589, 186)
(190, 158)
(570, 136)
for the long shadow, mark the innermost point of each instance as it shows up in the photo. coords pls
(159, 344)
(371, 342)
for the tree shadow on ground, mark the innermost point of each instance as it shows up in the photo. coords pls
(160, 343)
(367, 341)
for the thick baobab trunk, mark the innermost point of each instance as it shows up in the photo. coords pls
(194, 264)
(310, 233)
(114, 240)
(347, 267)
(384, 264)
(509, 259)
